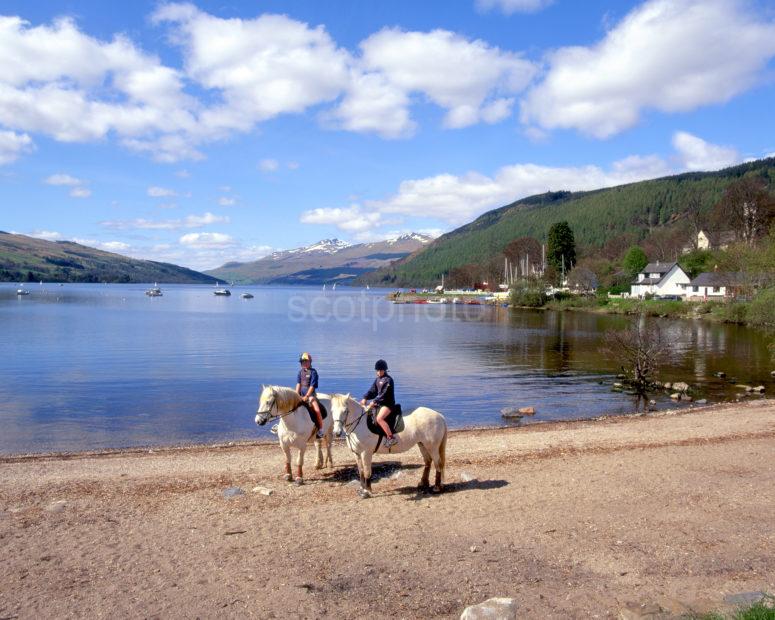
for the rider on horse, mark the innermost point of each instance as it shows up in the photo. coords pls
(306, 385)
(382, 395)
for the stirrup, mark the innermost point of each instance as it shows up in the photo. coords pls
(391, 442)
(320, 433)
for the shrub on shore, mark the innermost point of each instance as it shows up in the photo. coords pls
(528, 296)
(761, 311)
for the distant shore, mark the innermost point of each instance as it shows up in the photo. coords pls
(571, 519)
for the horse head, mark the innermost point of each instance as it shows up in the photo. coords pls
(339, 410)
(266, 402)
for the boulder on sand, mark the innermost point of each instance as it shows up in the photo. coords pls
(492, 609)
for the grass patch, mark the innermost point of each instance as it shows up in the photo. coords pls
(758, 611)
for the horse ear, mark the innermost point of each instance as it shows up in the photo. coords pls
(263, 387)
(349, 396)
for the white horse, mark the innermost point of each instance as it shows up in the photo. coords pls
(296, 428)
(423, 427)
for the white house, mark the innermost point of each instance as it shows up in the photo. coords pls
(714, 285)
(660, 279)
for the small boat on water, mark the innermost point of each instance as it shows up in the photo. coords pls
(154, 291)
(22, 291)
(246, 296)
(222, 292)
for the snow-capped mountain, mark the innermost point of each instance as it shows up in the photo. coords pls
(324, 261)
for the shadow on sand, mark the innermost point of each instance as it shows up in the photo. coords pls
(379, 471)
(394, 470)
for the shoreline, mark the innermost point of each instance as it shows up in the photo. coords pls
(248, 443)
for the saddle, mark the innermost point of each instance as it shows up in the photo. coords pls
(311, 412)
(395, 421)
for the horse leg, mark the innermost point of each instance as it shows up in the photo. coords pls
(329, 440)
(300, 465)
(366, 475)
(287, 451)
(440, 461)
(319, 447)
(426, 472)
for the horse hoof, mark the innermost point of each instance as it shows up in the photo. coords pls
(364, 493)
(298, 482)
(436, 489)
(318, 466)
(288, 477)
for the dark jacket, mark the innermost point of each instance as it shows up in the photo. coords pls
(381, 392)
(305, 378)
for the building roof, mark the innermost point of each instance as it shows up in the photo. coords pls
(658, 267)
(718, 278)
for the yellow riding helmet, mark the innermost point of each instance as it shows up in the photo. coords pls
(305, 357)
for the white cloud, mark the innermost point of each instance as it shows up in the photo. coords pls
(183, 174)
(206, 240)
(268, 165)
(48, 235)
(108, 246)
(200, 254)
(160, 192)
(292, 165)
(457, 199)
(468, 78)
(191, 221)
(225, 201)
(513, 6)
(697, 154)
(665, 55)
(63, 179)
(263, 67)
(12, 145)
(80, 192)
(350, 219)
(60, 82)
(372, 105)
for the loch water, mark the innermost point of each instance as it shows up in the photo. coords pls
(94, 366)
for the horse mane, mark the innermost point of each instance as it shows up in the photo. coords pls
(287, 399)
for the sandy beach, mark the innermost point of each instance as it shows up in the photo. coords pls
(575, 519)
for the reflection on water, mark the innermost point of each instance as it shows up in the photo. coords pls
(93, 366)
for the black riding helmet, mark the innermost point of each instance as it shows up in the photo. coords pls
(381, 365)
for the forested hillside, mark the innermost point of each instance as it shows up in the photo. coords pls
(596, 217)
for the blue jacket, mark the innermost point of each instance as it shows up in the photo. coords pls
(381, 391)
(305, 378)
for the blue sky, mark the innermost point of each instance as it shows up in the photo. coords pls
(208, 132)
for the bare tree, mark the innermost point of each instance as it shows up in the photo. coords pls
(746, 208)
(525, 255)
(696, 220)
(640, 350)
(582, 279)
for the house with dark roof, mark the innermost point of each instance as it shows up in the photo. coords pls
(718, 285)
(660, 279)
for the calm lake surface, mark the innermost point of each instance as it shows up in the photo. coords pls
(103, 366)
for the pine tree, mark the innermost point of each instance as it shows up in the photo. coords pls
(561, 247)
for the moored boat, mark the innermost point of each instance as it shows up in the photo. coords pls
(154, 291)
(246, 296)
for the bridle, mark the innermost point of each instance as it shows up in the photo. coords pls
(353, 425)
(268, 412)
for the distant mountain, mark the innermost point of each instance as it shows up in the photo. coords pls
(595, 217)
(26, 259)
(329, 260)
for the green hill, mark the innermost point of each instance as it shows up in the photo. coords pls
(595, 217)
(26, 259)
